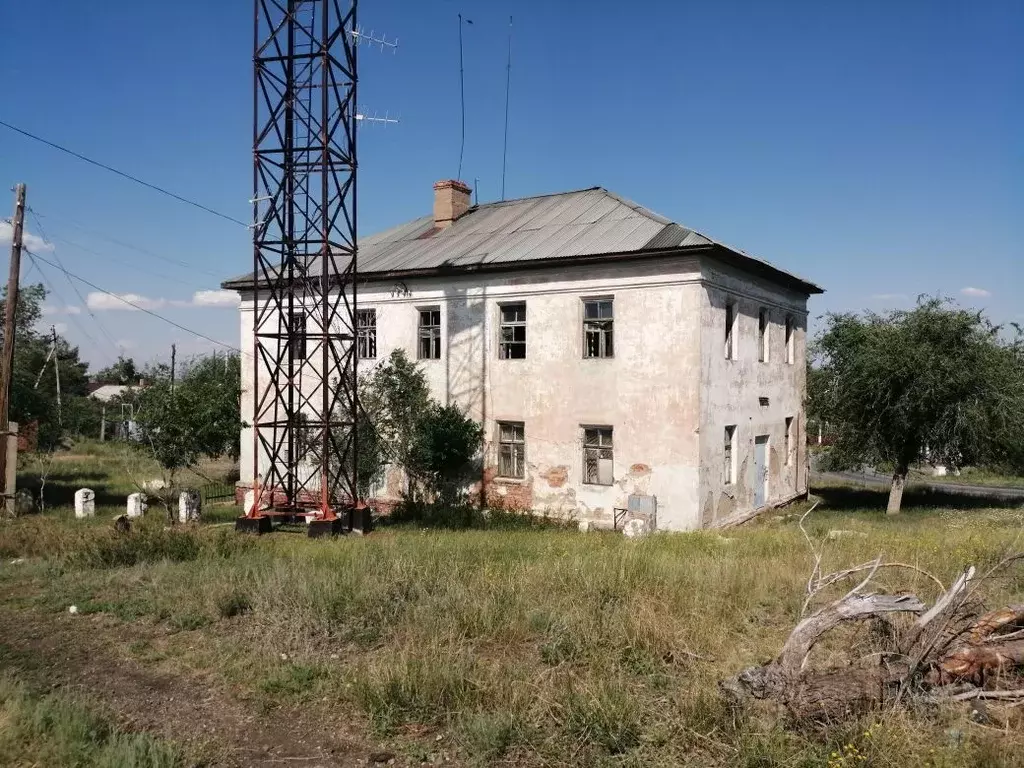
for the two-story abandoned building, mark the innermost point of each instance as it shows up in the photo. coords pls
(605, 349)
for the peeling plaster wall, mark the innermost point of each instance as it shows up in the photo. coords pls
(730, 391)
(648, 392)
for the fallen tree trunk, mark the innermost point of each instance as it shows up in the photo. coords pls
(948, 652)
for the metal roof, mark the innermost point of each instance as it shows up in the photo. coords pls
(584, 223)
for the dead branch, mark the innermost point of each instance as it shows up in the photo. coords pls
(952, 651)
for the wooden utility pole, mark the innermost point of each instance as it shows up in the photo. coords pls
(56, 371)
(7, 364)
(174, 352)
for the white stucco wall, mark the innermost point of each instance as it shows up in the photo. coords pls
(662, 393)
(731, 392)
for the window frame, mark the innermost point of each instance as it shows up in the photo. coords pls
(297, 344)
(430, 332)
(601, 448)
(729, 455)
(514, 445)
(366, 334)
(789, 441)
(606, 338)
(730, 329)
(763, 335)
(504, 347)
(790, 339)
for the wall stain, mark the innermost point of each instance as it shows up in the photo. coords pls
(556, 476)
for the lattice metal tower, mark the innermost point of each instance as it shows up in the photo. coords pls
(304, 258)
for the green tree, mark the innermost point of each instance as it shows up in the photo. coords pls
(33, 381)
(436, 445)
(446, 444)
(937, 377)
(123, 371)
(199, 416)
(395, 395)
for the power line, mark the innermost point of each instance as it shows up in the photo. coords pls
(53, 289)
(138, 307)
(122, 174)
(130, 264)
(74, 287)
(123, 244)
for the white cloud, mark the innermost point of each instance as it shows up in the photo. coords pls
(979, 293)
(108, 301)
(33, 242)
(100, 301)
(215, 299)
(49, 309)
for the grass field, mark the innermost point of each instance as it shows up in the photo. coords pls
(488, 647)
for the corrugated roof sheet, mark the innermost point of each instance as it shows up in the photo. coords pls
(586, 222)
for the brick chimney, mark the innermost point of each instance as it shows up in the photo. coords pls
(451, 200)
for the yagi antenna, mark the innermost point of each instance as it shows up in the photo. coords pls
(370, 39)
(362, 117)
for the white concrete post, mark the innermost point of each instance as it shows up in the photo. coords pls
(137, 504)
(85, 503)
(250, 500)
(190, 506)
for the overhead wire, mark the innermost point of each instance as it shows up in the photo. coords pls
(126, 245)
(111, 169)
(85, 304)
(139, 307)
(52, 289)
(124, 262)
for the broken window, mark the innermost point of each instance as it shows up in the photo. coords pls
(430, 334)
(597, 328)
(789, 439)
(511, 449)
(598, 465)
(790, 351)
(730, 454)
(730, 325)
(762, 333)
(512, 332)
(366, 333)
(297, 328)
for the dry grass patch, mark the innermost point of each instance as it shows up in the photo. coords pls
(544, 647)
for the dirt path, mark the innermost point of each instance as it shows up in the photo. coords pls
(88, 654)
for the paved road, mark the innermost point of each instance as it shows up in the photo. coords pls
(877, 480)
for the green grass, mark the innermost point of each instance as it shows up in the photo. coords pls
(971, 476)
(530, 646)
(58, 730)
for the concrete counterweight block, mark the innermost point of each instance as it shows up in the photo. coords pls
(250, 500)
(190, 505)
(137, 504)
(636, 529)
(85, 503)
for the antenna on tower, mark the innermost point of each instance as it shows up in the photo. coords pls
(462, 96)
(363, 117)
(369, 38)
(508, 79)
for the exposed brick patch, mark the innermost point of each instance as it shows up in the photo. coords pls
(640, 469)
(512, 495)
(556, 476)
(28, 436)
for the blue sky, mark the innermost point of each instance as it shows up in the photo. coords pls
(876, 148)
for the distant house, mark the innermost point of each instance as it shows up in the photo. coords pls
(106, 391)
(607, 351)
